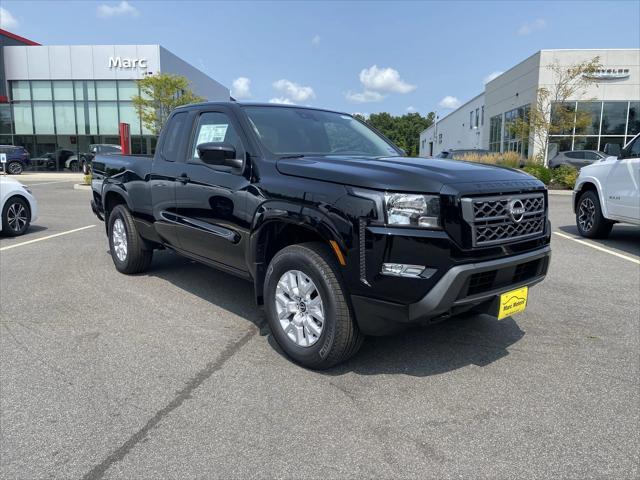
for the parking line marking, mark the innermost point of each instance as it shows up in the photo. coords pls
(598, 247)
(45, 238)
(47, 183)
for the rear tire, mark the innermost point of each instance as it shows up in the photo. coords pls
(16, 216)
(73, 166)
(126, 247)
(589, 219)
(310, 342)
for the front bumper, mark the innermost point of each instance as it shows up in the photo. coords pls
(472, 286)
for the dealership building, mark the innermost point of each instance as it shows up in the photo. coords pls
(612, 101)
(71, 96)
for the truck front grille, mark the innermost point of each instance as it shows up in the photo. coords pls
(501, 219)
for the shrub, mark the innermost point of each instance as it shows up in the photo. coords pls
(541, 172)
(565, 176)
(506, 159)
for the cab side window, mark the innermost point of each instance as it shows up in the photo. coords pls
(173, 137)
(216, 127)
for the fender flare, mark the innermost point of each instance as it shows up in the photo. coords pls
(283, 212)
(595, 182)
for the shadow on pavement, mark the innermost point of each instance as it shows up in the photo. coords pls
(625, 238)
(455, 343)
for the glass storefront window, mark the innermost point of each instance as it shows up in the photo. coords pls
(80, 118)
(20, 90)
(129, 115)
(43, 117)
(44, 144)
(108, 118)
(106, 90)
(614, 118)
(78, 87)
(41, 89)
(5, 118)
(91, 90)
(93, 118)
(633, 127)
(562, 114)
(62, 90)
(22, 118)
(588, 118)
(65, 118)
(558, 144)
(127, 89)
(585, 143)
(618, 140)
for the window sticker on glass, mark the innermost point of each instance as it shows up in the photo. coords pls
(212, 133)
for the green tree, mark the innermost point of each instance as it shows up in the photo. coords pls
(160, 95)
(403, 130)
(553, 112)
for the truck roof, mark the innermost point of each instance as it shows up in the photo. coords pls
(257, 104)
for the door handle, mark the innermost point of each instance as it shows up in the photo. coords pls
(184, 179)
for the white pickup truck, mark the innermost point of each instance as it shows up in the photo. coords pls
(608, 192)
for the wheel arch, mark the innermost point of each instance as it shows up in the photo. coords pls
(590, 184)
(276, 226)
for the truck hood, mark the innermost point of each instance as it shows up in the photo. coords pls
(406, 174)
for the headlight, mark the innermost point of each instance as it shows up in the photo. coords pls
(413, 210)
(27, 189)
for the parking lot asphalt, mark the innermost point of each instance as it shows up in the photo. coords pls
(173, 374)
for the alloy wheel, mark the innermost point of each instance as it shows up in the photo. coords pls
(119, 237)
(17, 217)
(300, 308)
(586, 214)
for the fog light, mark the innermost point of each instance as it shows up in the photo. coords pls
(404, 270)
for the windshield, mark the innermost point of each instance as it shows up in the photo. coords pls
(299, 131)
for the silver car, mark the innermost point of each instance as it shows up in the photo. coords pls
(576, 158)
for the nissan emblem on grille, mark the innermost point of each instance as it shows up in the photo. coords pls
(516, 210)
(499, 219)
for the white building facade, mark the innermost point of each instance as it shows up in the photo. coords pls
(612, 100)
(67, 97)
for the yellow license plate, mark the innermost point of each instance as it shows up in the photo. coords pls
(513, 302)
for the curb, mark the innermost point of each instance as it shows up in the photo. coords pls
(560, 192)
(79, 186)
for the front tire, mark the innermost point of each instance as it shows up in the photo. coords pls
(14, 168)
(73, 166)
(127, 248)
(16, 217)
(308, 309)
(589, 219)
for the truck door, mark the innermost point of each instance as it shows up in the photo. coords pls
(163, 180)
(211, 199)
(622, 189)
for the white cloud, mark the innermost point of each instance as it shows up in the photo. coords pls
(449, 102)
(533, 26)
(241, 88)
(364, 97)
(122, 8)
(7, 20)
(294, 92)
(492, 76)
(315, 40)
(384, 80)
(411, 109)
(284, 101)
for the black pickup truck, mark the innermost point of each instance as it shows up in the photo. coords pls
(341, 234)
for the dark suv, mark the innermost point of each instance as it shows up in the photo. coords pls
(18, 159)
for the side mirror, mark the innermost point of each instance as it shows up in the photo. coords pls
(612, 149)
(219, 154)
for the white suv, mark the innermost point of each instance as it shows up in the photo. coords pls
(608, 192)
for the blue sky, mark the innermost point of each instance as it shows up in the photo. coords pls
(357, 56)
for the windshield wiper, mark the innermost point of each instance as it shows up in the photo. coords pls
(299, 155)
